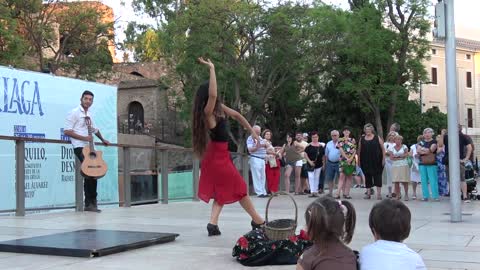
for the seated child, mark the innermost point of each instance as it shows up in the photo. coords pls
(390, 224)
(330, 226)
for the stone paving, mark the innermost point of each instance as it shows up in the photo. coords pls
(442, 245)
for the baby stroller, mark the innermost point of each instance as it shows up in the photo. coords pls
(470, 179)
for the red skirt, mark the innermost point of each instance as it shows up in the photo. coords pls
(219, 179)
(273, 176)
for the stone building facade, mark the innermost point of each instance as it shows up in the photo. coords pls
(434, 93)
(147, 97)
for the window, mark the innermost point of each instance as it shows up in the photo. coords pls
(469, 79)
(135, 115)
(470, 118)
(434, 75)
(434, 51)
(468, 56)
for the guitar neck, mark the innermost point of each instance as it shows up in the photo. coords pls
(91, 144)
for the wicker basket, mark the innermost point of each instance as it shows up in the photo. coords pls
(280, 229)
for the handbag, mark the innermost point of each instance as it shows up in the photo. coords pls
(409, 161)
(309, 167)
(428, 159)
(272, 161)
(283, 162)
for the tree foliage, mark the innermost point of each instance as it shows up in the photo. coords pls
(12, 46)
(73, 37)
(292, 66)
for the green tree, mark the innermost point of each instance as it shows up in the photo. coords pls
(12, 45)
(271, 61)
(144, 41)
(409, 20)
(69, 36)
(378, 65)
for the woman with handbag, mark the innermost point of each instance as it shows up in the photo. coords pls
(272, 166)
(427, 150)
(314, 154)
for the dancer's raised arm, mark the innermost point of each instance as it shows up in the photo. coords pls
(212, 89)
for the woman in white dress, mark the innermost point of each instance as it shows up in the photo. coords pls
(388, 145)
(414, 170)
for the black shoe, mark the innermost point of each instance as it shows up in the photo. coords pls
(92, 208)
(213, 230)
(256, 226)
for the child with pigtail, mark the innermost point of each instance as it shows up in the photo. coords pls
(330, 226)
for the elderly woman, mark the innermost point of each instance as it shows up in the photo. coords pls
(427, 150)
(272, 166)
(371, 158)
(415, 170)
(388, 145)
(400, 171)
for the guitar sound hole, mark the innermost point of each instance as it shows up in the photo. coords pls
(92, 155)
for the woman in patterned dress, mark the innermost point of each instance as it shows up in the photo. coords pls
(348, 149)
(441, 169)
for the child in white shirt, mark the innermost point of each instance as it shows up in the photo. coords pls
(390, 224)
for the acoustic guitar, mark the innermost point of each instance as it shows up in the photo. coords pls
(93, 164)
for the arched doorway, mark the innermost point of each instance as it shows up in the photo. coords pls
(135, 116)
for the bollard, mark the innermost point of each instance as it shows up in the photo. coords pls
(127, 192)
(20, 178)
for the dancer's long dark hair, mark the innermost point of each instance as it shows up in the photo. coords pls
(200, 133)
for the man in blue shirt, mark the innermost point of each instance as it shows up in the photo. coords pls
(332, 155)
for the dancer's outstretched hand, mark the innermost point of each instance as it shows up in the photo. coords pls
(205, 62)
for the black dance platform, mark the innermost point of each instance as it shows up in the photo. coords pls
(86, 243)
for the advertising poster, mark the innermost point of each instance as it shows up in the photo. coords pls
(35, 105)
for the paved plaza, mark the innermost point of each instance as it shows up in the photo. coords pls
(443, 245)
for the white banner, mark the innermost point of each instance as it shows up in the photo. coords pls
(35, 105)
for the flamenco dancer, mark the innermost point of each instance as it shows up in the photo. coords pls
(219, 179)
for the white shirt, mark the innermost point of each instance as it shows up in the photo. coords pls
(388, 255)
(416, 160)
(388, 147)
(76, 122)
(261, 152)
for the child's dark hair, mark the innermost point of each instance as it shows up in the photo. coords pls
(390, 220)
(329, 220)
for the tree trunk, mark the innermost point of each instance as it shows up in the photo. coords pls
(378, 122)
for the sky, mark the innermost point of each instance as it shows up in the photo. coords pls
(467, 16)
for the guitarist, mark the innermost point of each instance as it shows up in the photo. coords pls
(77, 130)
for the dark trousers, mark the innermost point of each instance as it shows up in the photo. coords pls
(322, 178)
(373, 180)
(89, 183)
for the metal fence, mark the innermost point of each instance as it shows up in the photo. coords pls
(164, 163)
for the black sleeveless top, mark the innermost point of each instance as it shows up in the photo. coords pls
(220, 132)
(371, 156)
